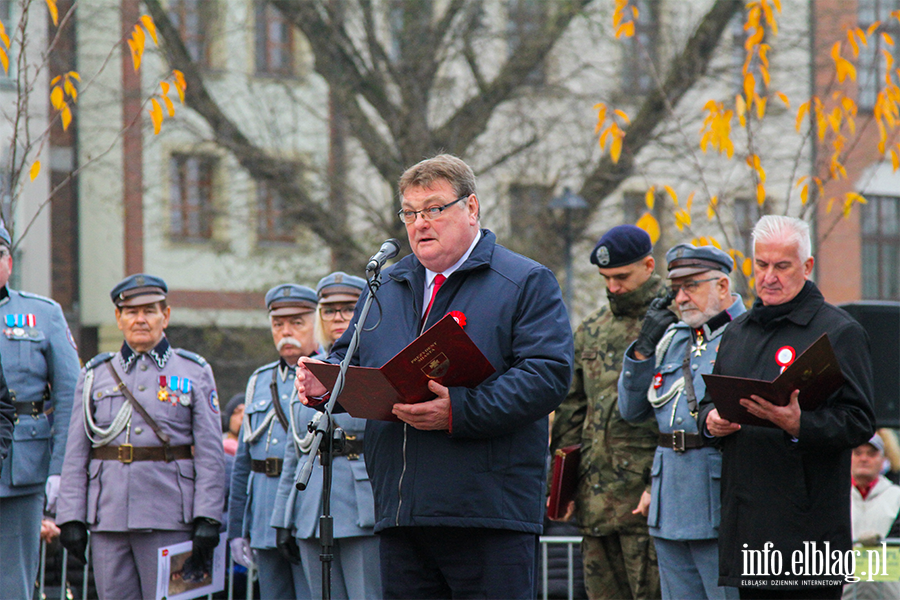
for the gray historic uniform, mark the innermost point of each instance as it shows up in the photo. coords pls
(133, 508)
(41, 366)
(356, 569)
(254, 481)
(685, 504)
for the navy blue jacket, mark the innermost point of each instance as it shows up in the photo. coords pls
(489, 470)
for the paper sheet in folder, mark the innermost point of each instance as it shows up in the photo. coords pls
(816, 373)
(443, 353)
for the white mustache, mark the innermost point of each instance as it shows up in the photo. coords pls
(288, 340)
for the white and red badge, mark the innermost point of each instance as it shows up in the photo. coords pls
(657, 381)
(785, 356)
(459, 317)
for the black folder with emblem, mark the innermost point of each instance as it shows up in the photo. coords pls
(816, 373)
(443, 353)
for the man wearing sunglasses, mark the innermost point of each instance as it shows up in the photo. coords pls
(683, 508)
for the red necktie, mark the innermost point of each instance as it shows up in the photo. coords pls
(439, 280)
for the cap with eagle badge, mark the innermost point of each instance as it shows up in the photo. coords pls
(290, 299)
(339, 287)
(139, 289)
(622, 245)
(686, 259)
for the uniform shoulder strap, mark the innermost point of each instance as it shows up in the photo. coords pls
(191, 356)
(99, 360)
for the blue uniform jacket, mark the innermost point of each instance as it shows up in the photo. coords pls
(489, 470)
(685, 501)
(252, 494)
(35, 356)
(352, 504)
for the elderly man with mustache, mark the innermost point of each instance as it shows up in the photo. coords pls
(264, 435)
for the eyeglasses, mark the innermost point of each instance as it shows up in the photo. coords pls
(329, 313)
(429, 214)
(690, 287)
(4, 253)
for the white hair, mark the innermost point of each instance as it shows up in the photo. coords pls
(772, 228)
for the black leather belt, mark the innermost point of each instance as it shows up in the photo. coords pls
(679, 441)
(353, 447)
(126, 453)
(271, 466)
(30, 408)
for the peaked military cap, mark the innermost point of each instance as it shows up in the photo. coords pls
(620, 246)
(290, 299)
(5, 238)
(686, 259)
(340, 287)
(139, 289)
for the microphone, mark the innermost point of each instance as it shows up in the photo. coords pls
(388, 250)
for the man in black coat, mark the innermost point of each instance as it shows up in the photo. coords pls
(785, 507)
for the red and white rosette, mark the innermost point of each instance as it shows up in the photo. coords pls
(459, 317)
(785, 356)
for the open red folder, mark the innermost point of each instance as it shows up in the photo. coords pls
(816, 373)
(443, 353)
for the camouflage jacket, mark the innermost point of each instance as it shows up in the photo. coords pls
(616, 456)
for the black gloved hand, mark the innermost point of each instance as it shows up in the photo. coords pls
(205, 537)
(287, 545)
(656, 321)
(73, 536)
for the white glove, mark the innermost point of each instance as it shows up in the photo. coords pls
(52, 492)
(242, 553)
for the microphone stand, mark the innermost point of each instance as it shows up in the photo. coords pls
(334, 438)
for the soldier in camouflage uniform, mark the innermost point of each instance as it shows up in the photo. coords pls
(616, 456)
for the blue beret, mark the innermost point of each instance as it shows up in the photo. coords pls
(5, 238)
(139, 289)
(338, 287)
(290, 299)
(620, 246)
(686, 259)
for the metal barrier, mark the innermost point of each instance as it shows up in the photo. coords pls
(252, 575)
(570, 542)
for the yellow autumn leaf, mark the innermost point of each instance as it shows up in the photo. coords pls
(783, 97)
(156, 115)
(74, 75)
(760, 106)
(180, 83)
(135, 56)
(165, 87)
(714, 242)
(690, 201)
(70, 89)
(150, 26)
(66, 116)
(854, 45)
(55, 80)
(760, 194)
(615, 149)
(855, 197)
(648, 223)
(3, 37)
(54, 12)
(35, 169)
(170, 107)
(711, 208)
(873, 27)
(621, 114)
(887, 38)
(56, 98)
(700, 241)
(895, 159)
(749, 85)
(804, 194)
(747, 267)
(625, 29)
(801, 113)
(4, 59)
(671, 194)
(830, 205)
(650, 197)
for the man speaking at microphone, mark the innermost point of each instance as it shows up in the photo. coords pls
(459, 480)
